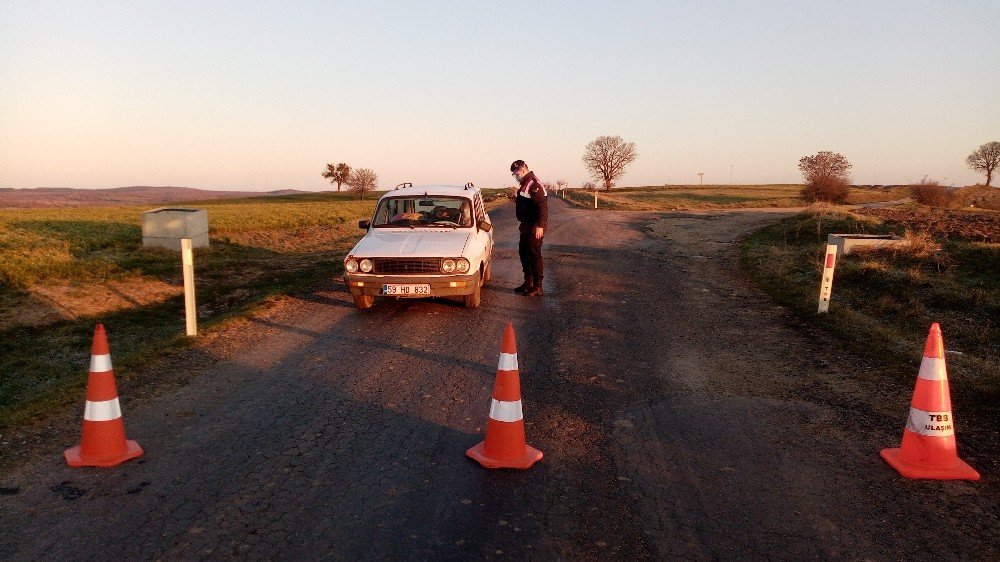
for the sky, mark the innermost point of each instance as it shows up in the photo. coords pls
(262, 95)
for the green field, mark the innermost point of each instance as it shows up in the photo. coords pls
(63, 270)
(672, 197)
(884, 301)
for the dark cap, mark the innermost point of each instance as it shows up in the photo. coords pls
(516, 164)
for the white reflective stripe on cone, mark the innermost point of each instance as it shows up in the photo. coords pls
(508, 362)
(100, 363)
(506, 411)
(931, 424)
(933, 369)
(106, 410)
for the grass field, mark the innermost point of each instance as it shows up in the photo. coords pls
(884, 301)
(672, 197)
(63, 270)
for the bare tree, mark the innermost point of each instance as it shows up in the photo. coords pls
(827, 176)
(606, 158)
(561, 185)
(363, 181)
(590, 186)
(339, 174)
(985, 159)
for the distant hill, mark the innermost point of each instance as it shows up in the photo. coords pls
(134, 195)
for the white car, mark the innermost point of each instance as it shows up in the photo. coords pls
(422, 241)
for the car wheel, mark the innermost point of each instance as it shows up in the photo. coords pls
(364, 302)
(472, 300)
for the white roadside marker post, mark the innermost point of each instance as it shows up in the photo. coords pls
(190, 311)
(595, 198)
(826, 286)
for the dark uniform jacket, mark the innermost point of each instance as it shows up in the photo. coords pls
(532, 204)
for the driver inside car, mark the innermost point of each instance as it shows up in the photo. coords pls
(442, 213)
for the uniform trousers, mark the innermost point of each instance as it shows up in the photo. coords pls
(530, 250)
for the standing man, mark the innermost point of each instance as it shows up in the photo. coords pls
(532, 212)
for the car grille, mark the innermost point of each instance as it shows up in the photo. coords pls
(406, 266)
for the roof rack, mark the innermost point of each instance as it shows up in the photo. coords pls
(404, 184)
(469, 185)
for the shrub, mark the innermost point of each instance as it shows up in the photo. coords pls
(827, 176)
(930, 192)
(831, 189)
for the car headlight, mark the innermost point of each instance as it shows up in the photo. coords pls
(366, 265)
(448, 266)
(462, 265)
(351, 265)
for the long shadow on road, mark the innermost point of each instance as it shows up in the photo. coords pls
(679, 414)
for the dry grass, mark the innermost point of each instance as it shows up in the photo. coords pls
(885, 299)
(914, 245)
(917, 245)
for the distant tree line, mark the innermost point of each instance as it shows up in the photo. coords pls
(826, 174)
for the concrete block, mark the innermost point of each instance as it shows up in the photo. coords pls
(165, 227)
(847, 242)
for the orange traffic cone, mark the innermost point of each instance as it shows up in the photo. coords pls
(928, 448)
(103, 442)
(505, 446)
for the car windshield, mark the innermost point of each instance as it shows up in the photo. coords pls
(424, 212)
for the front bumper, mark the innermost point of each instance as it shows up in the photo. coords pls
(441, 285)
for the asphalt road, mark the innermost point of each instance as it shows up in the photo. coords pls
(682, 416)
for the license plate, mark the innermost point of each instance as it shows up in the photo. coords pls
(406, 290)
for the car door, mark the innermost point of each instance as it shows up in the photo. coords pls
(484, 239)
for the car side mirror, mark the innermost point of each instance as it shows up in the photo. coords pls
(364, 224)
(485, 226)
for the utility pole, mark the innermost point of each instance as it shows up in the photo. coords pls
(701, 178)
(730, 174)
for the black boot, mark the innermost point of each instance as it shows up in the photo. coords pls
(525, 287)
(536, 289)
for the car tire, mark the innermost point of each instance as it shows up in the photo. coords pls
(472, 300)
(364, 302)
(488, 272)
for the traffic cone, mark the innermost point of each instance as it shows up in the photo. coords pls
(928, 448)
(103, 442)
(505, 446)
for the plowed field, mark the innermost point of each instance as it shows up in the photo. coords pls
(978, 226)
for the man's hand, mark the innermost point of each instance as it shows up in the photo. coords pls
(539, 232)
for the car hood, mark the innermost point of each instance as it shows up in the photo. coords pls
(412, 243)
